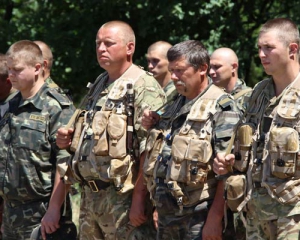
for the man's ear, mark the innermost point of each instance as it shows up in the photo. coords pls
(204, 69)
(38, 68)
(293, 48)
(130, 48)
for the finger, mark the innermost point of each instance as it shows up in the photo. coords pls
(43, 232)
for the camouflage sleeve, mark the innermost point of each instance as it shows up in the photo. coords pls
(148, 94)
(224, 121)
(61, 110)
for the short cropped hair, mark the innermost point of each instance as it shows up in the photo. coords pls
(193, 51)
(287, 30)
(25, 51)
(126, 30)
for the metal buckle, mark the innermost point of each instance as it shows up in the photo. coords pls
(93, 186)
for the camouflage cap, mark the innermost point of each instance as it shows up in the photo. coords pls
(66, 231)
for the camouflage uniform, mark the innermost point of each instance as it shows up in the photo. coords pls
(4, 104)
(273, 211)
(105, 206)
(241, 94)
(28, 158)
(170, 91)
(177, 221)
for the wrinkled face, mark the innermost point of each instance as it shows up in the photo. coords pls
(22, 76)
(110, 48)
(220, 71)
(273, 53)
(186, 79)
(157, 64)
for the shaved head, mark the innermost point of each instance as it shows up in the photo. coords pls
(224, 65)
(226, 54)
(125, 30)
(160, 46)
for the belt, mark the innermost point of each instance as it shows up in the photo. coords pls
(97, 185)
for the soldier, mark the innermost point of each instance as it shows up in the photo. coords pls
(181, 147)
(31, 186)
(158, 66)
(223, 71)
(110, 148)
(267, 139)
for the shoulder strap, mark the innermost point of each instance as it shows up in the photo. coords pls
(241, 93)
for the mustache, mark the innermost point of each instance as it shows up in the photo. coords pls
(179, 82)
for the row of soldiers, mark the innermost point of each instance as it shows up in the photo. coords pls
(151, 166)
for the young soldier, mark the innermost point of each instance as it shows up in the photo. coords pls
(31, 186)
(181, 148)
(267, 140)
(223, 71)
(158, 66)
(111, 145)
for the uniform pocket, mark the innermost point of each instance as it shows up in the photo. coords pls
(284, 146)
(116, 128)
(99, 125)
(242, 146)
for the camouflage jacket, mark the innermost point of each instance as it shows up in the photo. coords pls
(241, 99)
(170, 91)
(29, 154)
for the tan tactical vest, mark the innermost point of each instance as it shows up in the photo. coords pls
(101, 152)
(188, 177)
(277, 166)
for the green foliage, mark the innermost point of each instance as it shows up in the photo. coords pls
(70, 27)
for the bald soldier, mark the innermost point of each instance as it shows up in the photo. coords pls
(224, 73)
(158, 66)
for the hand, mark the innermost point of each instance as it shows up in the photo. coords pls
(50, 222)
(64, 137)
(155, 219)
(137, 211)
(221, 162)
(149, 118)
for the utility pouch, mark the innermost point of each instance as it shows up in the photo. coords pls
(99, 125)
(190, 158)
(121, 171)
(77, 131)
(153, 147)
(242, 146)
(235, 191)
(116, 128)
(284, 146)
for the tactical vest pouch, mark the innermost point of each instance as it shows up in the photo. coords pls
(99, 125)
(77, 132)
(190, 158)
(284, 146)
(242, 146)
(116, 128)
(235, 191)
(153, 147)
(121, 172)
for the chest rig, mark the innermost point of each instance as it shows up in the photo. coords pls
(272, 152)
(105, 146)
(188, 165)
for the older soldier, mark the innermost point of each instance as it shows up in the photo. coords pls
(158, 66)
(110, 148)
(178, 164)
(267, 140)
(31, 186)
(223, 71)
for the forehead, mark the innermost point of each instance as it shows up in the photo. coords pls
(179, 63)
(15, 62)
(155, 54)
(112, 33)
(269, 37)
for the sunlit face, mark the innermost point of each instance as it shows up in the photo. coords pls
(273, 53)
(186, 79)
(21, 75)
(110, 48)
(220, 71)
(157, 64)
